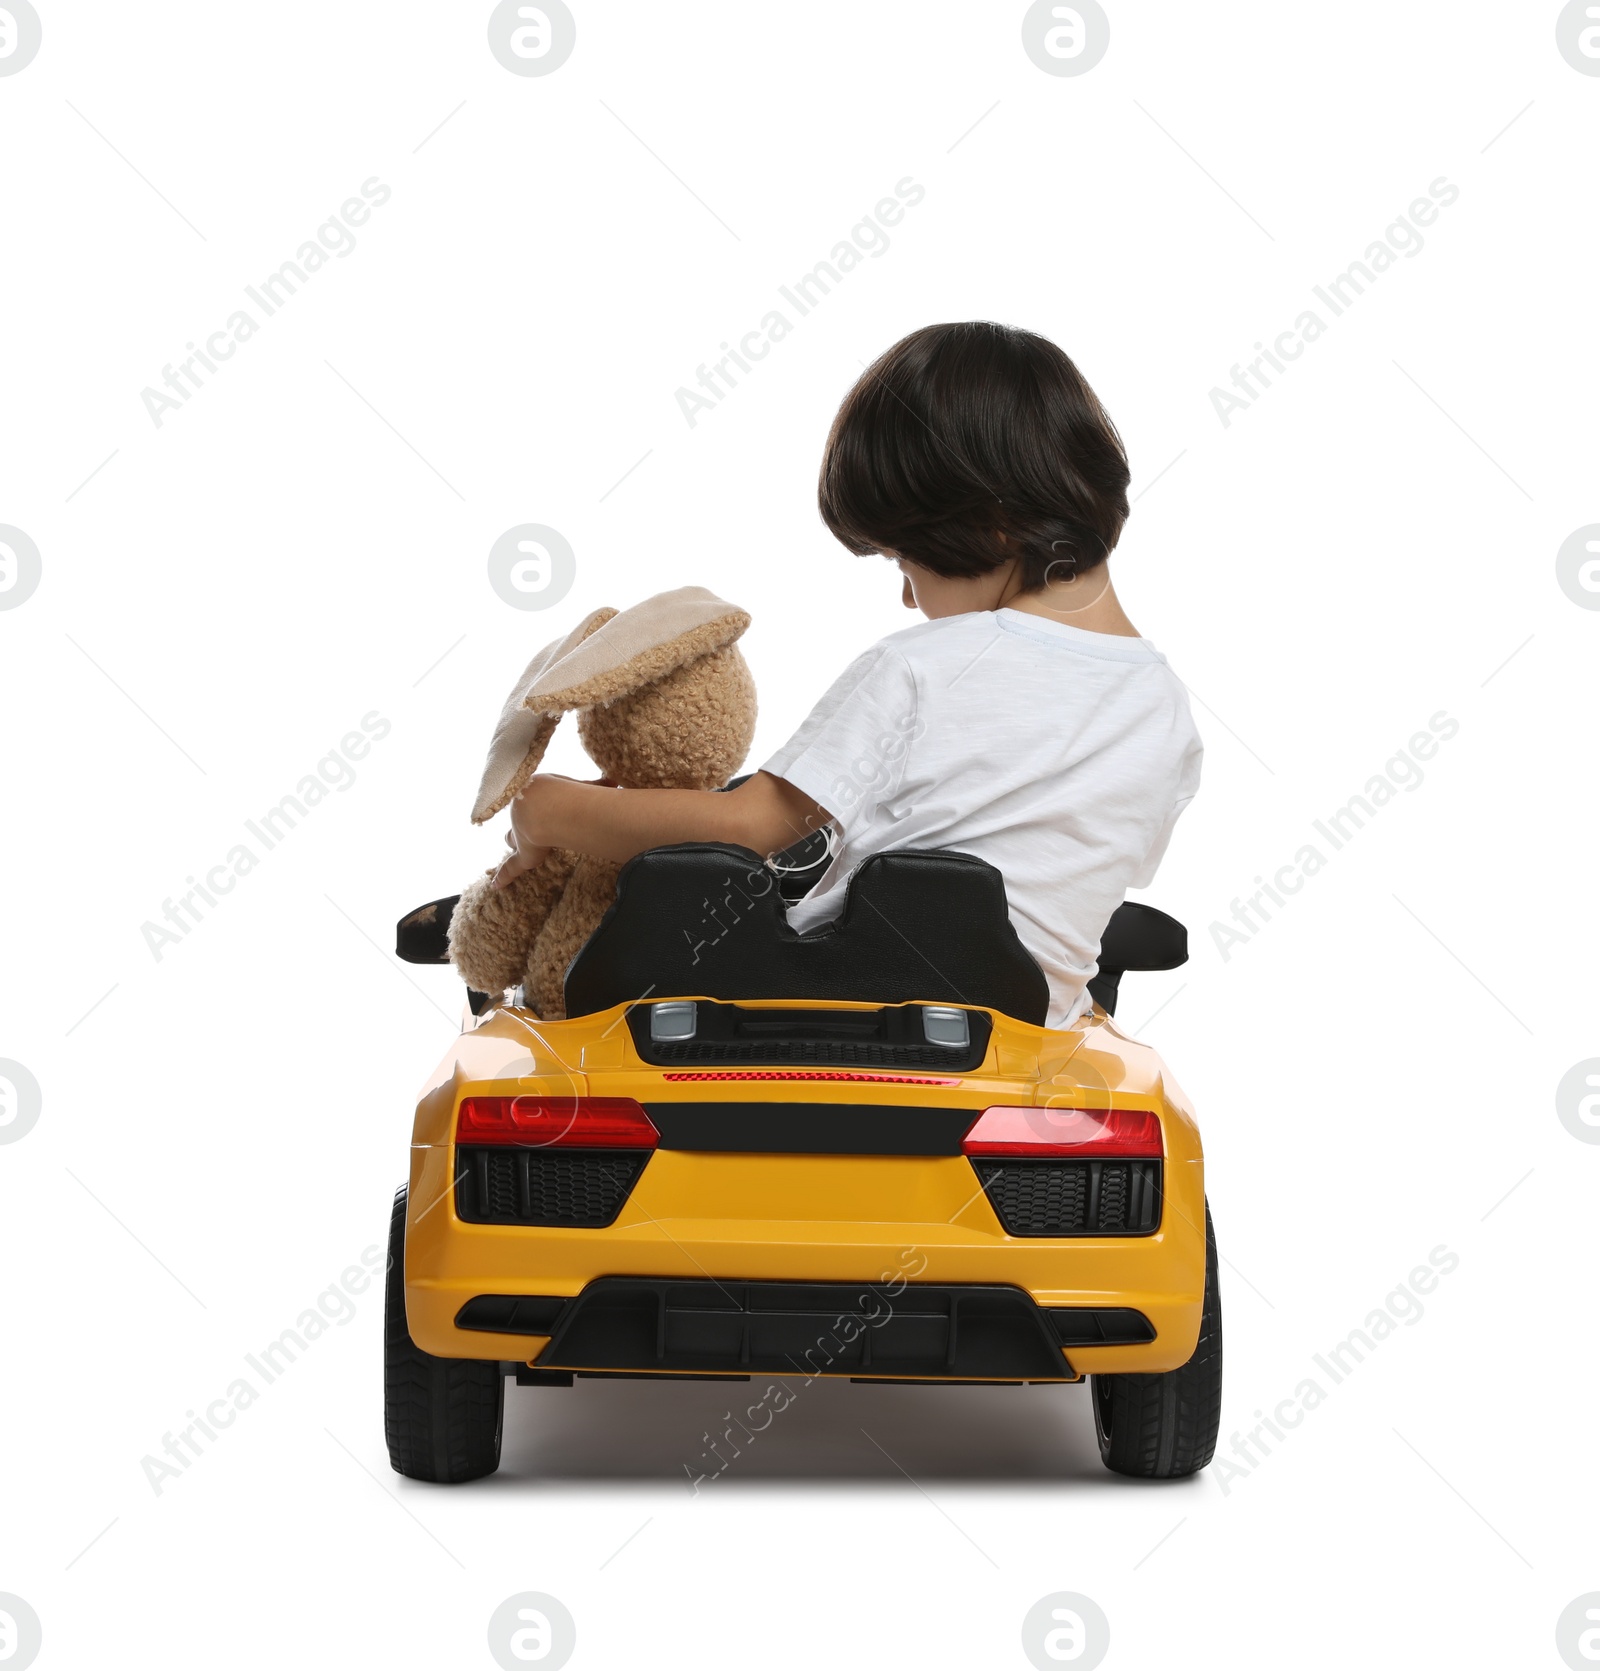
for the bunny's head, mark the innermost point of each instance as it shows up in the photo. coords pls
(663, 697)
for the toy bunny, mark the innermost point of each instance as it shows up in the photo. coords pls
(664, 701)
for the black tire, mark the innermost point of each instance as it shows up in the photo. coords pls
(1164, 1427)
(441, 1416)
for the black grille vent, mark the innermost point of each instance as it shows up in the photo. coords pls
(583, 1188)
(1074, 1197)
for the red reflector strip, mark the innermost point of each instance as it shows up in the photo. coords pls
(1074, 1133)
(804, 1073)
(556, 1122)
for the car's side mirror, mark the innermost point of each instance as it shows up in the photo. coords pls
(423, 935)
(1137, 937)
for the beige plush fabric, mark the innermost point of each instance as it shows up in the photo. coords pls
(523, 731)
(574, 917)
(605, 656)
(489, 927)
(665, 701)
(636, 648)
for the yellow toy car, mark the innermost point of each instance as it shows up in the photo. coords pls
(761, 1156)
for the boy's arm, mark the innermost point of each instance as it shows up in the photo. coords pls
(766, 814)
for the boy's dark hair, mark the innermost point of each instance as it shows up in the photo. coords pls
(963, 431)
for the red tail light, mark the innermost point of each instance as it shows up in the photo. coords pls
(556, 1122)
(1072, 1133)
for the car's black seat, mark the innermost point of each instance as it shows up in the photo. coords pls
(707, 919)
(917, 926)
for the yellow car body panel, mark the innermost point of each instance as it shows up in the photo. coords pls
(877, 1219)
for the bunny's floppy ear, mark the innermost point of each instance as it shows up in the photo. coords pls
(605, 657)
(675, 706)
(637, 648)
(525, 727)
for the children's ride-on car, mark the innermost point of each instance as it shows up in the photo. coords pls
(856, 1152)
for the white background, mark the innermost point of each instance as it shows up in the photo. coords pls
(1363, 548)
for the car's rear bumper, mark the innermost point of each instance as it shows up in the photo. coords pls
(890, 1223)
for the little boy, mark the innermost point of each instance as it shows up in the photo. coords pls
(1025, 721)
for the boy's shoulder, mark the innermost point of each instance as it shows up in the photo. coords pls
(928, 640)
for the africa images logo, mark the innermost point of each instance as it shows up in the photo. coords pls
(335, 238)
(21, 1101)
(20, 35)
(20, 567)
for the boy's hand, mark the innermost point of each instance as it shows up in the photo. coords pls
(525, 838)
(521, 858)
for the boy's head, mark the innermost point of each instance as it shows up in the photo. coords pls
(968, 445)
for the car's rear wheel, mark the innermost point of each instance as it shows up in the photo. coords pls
(441, 1416)
(1162, 1427)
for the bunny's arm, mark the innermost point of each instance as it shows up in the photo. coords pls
(493, 929)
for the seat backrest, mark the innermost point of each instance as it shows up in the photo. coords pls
(706, 920)
(709, 920)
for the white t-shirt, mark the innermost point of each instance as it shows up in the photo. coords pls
(1062, 757)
